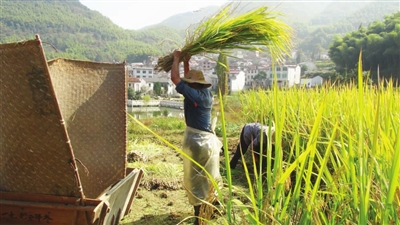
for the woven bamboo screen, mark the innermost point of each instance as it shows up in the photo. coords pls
(91, 97)
(35, 156)
(56, 115)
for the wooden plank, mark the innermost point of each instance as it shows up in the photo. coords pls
(20, 208)
(135, 187)
(45, 198)
(46, 205)
(17, 214)
(120, 196)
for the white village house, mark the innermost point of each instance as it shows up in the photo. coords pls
(142, 78)
(136, 74)
(135, 83)
(312, 82)
(250, 73)
(286, 76)
(164, 81)
(138, 70)
(236, 80)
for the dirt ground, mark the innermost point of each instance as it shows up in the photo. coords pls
(160, 198)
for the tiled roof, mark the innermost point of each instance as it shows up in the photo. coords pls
(133, 79)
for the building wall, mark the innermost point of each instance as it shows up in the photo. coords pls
(286, 75)
(250, 74)
(312, 82)
(213, 79)
(136, 86)
(171, 89)
(207, 65)
(236, 80)
(140, 72)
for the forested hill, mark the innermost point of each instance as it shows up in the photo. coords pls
(315, 22)
(80, 33)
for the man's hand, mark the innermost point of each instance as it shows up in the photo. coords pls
(175, 78)
(185, 57)
(177, 54)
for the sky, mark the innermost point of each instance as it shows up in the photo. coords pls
(136, 14)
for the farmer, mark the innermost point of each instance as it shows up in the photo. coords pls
(251, 136)
(200, 142)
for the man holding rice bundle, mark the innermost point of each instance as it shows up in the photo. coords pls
(200, 142)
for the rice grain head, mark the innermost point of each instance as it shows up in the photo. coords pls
(255, 30)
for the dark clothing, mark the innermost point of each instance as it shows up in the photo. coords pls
(197, 106)
(250, 136)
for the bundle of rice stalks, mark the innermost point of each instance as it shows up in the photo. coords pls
(256, 30)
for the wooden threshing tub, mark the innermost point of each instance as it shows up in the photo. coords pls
(62, 139)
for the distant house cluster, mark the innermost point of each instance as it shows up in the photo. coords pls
(243, 75)
(141, 78)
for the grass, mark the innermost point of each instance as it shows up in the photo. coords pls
(337, 157)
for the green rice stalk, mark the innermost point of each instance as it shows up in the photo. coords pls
(390, 204)
(226, 155)
(255, 30)
(311, 147)
(259, 177)
(254, 200)
(359, 177)
(293, 197)
(280, 120)
(246, 212)
(363, 155)
(353, 177)
(322, 169)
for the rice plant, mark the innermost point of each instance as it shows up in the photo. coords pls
(255, 30)
(342, 146)
(337, 158)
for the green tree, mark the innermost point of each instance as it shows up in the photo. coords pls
(137, 57)
(262, 75)
(259, 78)
(380, 46)
(131, 93)
(164, 89)
(146, 99)
(304, 69)
(80, 33)
(137, 96)
(222, 70)
(300, 57)
(157, 88)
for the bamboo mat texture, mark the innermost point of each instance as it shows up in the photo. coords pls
(56, 116)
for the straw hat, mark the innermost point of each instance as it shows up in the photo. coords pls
(195, 76)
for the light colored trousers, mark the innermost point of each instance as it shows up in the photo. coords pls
(204, 148)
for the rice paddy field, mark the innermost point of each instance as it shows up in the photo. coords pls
(337, 147)
(337, 160)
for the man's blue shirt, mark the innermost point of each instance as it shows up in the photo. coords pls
(197, 106)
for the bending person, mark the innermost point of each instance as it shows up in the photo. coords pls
(250, 137)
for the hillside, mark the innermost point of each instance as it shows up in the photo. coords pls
(291, 12)
(80, 33)
(315, 22)
(183, 21)
(310, 13)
